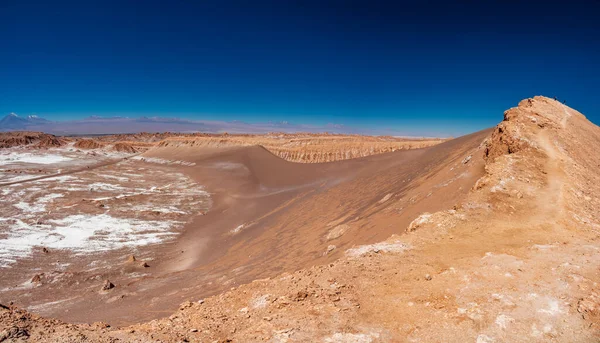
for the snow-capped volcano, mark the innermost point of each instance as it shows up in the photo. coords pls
(14, 122)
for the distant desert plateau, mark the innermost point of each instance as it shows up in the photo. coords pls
(304, 237)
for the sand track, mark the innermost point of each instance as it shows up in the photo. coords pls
(69, 172)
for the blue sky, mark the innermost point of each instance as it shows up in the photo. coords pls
(421, 67)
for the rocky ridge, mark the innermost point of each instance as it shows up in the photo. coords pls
(35, 140)
(125, 147)
(87, 144)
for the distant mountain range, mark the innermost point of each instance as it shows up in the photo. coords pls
(14, 122)
(115, 125)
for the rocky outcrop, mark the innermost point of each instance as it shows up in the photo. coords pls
(107, 285)
(88, 144)
(29, 139)
(124, 147)
(17, 325)
(49, 141)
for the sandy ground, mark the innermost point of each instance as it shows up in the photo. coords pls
(260, 215)
(65, 227)
(494, 239)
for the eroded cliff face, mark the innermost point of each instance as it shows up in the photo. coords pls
(306, 148)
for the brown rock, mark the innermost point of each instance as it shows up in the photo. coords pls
(300, 296)
(107, 286)
(88, 144)
(124, 147)
(32, 139)
(185, 305)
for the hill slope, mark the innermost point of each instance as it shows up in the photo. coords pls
(514, 260)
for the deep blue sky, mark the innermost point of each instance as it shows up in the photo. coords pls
(416, 67)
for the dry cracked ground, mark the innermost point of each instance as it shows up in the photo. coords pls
(501, 246)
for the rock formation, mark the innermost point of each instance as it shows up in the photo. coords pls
(87, 144)
(124, 147)
(29, 139)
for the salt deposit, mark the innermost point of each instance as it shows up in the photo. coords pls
(82, 214)
(82, 234)
(26, 157)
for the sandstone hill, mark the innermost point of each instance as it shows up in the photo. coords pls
(29, 139)
(126, 147)
(515, 260)
(87, 144)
